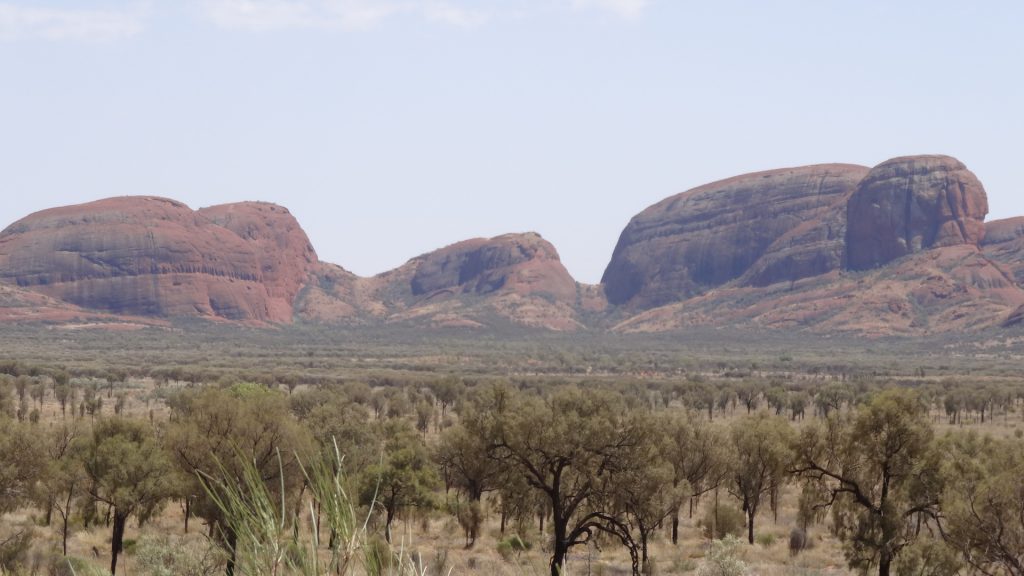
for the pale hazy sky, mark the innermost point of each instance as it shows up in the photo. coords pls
(394, 127)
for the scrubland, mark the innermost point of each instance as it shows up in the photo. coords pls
(203, 449)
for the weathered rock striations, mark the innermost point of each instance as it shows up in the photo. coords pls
(770, 226)
(516, 278)
(1004, 244)
(906, 205)
(1003, 231)
(899, 249)
(510, 279)
(286, 258)
(518, 263)
(139, 256)
(912, 227)
(943, 290)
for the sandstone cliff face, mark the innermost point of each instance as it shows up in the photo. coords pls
(518, 263)
(509, 279)
(514, 278)
(1004, 243)
(900, 249)
(773, 250)
(789, 220)
(910, 204)
(139, 256)
(285, 256)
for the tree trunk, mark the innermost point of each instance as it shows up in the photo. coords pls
(387, 525)
(644, 568)
(675, 526)
(117, 539)
(560, 550)
(188, 511)
(64, 535)
(883, 563)
(750, 524)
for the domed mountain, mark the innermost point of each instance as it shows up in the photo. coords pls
(152, 256)
(897, 249)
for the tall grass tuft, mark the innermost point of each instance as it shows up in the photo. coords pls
(270, 540)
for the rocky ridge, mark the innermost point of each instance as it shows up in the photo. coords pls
(762, 228)
(898, 249)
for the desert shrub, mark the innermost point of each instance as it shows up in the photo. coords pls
(684, 565)
(440, 566)
(512, 547)
(378, 559)
(766, 539)
(161, 555)
(471, 518)
(727, 521)
(69, 566)
(723, 559)
(14, 550)
(928, 557)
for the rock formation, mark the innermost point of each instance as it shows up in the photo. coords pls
(1004, 243)
(898, 249)
(771, 226)
(514, 278)
(910, 204)
(524, 264)
(773, 250)
(285, 256)
(139, 256)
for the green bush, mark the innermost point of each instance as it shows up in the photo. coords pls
(684, 565)
(162, 555)
(728, 521)
(14, 550)
(723, 559)
(766, 539)
(512, 547)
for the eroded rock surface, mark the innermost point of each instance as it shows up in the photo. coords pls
(284, 253)
(518, 263)
(140, 256)
(714, 234)
(910, 204)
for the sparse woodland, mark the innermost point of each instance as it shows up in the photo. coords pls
(710, 467)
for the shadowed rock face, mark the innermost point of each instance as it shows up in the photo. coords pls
(140, 255)
(1004, 243)
(1002, 231)
(520, 263)
(907, 205)
(766, 227)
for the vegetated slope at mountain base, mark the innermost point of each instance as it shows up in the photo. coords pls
(952, 289)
